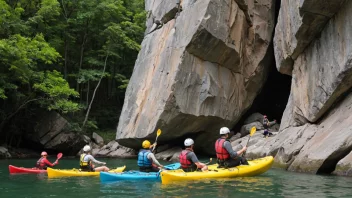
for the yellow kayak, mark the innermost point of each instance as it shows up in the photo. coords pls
(255, 167)
(77, 172)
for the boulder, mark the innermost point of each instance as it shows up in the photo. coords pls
(299, 23)
(235, 137)
(344, 166)
(114, 145)
(245, 129)
(50, 125)
(98, 139)
(95, 151)
(68, 143)
(4, 153)
(52, 132)
(312, 148)
(170, 154)
(103, 152)
(196, 59)
(123, 152)
(255, 117)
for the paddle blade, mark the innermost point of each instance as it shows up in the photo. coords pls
(158, 133)
(253, 130)
(59, 156)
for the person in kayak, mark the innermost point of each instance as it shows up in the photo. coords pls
(86, 162)
(188, 159)
(43, 162)
(267, 124)
(146, 159)
(226, 156)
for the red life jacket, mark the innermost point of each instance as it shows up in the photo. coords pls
(41, 164)
(221, 152)
(185, 163)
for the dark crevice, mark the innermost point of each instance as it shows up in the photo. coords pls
(329, 165)
(273, 98)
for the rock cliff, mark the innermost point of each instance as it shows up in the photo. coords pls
(199, 70)
(203, 64)
(315, 134)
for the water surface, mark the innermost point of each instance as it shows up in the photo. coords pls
(274, 183)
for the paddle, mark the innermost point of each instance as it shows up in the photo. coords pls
(172, 166)
(158, 133)
(252, 132)
(59, 156)
(211, 159)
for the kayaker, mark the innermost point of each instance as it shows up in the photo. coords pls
(226, 156)
(86, 162)
(267, 124)
(188, 159)
(43, 162)
(146, 159)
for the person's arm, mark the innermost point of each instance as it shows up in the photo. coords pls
(90, 157)
(154, 160)
(192, 156)
(232, 153)
(46, 161)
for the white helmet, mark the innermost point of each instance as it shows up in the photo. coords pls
(224, 130)
(189, 142)
(86, 148)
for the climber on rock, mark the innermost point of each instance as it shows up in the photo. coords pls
(267, 124)
(157, 24)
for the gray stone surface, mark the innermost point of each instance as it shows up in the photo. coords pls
(255, 117)
(299, 23)
(170, 154)
(98, 139)
(123, 152)
(4, 153)
(312, 148)
(209, 64)
(67, 142)
(322, 73)
(344, 166)
(245, 129)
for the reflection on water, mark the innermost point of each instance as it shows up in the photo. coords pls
(274, 183)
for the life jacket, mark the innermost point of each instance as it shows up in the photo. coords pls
(143, 160)
(40, 163)
(266, 123)
(221, 152)
(83, 163)
(185, 163)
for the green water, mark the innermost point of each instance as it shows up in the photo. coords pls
(274, 183)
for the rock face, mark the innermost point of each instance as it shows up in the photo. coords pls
(313, 148)
(98, 139)
(170, 154)
(344, 166)
(4, 153)
(298, 24)
(52, 132)
(198, 72)
(315, 134)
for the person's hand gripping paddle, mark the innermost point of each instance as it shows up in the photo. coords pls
(158, 133)
(252, 132)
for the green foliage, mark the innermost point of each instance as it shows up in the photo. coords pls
(56, 92)
(49, 47)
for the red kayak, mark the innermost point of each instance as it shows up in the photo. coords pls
(14, 169)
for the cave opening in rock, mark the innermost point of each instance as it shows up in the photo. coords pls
(273, 98)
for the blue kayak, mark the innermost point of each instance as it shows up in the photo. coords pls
(136, 175)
